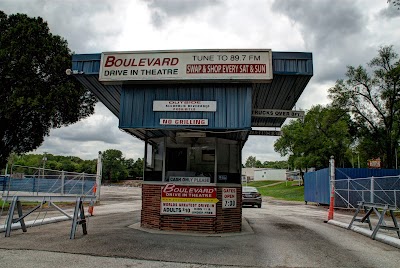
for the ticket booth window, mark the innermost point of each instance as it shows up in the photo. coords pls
(176, 159)
(171, 158)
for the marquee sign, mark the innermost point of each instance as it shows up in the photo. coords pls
(277, 113)
(212, 65)
(184, 106)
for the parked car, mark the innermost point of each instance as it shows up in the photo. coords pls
(251, 196)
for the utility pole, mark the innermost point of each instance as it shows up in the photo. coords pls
(44, 162)
(332, 182)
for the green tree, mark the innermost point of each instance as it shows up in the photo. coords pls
(114, 168)
(395, 3)
(275, 164)
(253, 162)
(324, 132)
(373, 101)
(134, 168)
(35, 94)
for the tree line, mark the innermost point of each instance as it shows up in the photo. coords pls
(361, 123)
(115, 166)
(252, 161)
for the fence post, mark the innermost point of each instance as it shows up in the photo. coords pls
(98, 176)
(62, 182)
(348, 192)
(372, 190)
(83, 183)
(332, 180)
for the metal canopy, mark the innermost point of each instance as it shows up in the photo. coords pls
(291, 74)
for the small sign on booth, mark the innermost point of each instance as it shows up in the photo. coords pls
(190, 179)
(229, 198)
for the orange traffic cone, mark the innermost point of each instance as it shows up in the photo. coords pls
(90, 210)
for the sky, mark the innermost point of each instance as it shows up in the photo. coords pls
(338, 34)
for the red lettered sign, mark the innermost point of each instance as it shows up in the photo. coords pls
(188, 200)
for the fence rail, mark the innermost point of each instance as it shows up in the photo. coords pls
(384, 190)
(353, 185)
(38, 181)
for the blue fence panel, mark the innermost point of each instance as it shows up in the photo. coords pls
(3, 183)
(39, 185)
(310, 186)
(353, 185)
(316, 186)
(79, 186)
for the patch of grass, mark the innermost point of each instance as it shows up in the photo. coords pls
(291, 192)
(29, 205)
(260, 183)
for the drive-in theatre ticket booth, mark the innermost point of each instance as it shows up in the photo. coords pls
(195, 109)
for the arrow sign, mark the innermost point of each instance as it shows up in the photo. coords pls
(191, 200)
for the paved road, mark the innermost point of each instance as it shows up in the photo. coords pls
(284, 235)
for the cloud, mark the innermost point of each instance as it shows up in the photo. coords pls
(162, 11)
(339, 33)
(87, 25)
(85, 138)
(262, 147)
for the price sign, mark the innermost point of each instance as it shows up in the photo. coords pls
(229, 198)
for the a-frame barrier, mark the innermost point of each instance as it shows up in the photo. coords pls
(78, 217)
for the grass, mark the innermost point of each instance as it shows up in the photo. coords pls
(291, 192)
(28, 205)
(260, 183)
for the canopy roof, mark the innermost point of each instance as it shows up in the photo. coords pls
(291, 74)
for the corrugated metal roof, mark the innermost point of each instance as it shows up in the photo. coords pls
(233, 105)
(291, 73)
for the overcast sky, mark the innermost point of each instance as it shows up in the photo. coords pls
(338, 33)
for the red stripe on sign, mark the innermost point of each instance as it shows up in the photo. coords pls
(226, 69)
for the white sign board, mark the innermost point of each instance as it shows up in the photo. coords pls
(277, 113)
(213, 65)
(188, 208)
(184, 122)
(229, 198)
(190, 179)
(188, 200)
(185, 106)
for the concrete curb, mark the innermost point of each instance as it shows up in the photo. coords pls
(395, 242)
(246, 230)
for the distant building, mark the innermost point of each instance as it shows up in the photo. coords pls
(270, 175)
(248, 173)
(262, 174)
